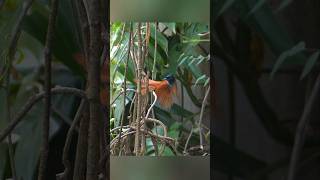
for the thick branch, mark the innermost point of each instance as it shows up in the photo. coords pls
(47, 97)
(93, 91)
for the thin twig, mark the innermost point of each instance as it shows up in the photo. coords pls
(8, 117)
(125, 87)
(32, 101)
(121, 92)
(16, 34)
(301, 132)
(47, 97)
(139, 97)
(188, 139)
(130, 110)
(162, 138)
(204, 102)
(82, 144)
(11, 54)
(65, 160)
(154, 73)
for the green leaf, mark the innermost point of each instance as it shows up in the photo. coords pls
(20, 57)
(183, 59)
(196, 71)
(158, 130)
(226, 6)
(161, 39)
(283, 5)
(286, 54)
(201, 79)
(310, 64)
(168, 152)
(174, 130)
(118, 110)
(266, 24)
(163, 115)
(258, 5)
(36, 24)
(178, 110)
(207, 82)
(171, 26)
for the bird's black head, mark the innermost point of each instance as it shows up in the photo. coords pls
(171, 80)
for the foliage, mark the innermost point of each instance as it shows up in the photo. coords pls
(174, 48)
(255, 24)
(26, 80)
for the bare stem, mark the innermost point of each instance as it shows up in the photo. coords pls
(204, 102)
(125, 91)
(188, 139)
(139, 96)
(11, 54)
(300, 132)
(82, 150)
(65, 160)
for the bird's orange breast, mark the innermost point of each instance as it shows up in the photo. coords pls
(163, 91)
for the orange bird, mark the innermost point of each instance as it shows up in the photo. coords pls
(164, 90)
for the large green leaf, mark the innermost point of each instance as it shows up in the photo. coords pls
(287, 54)
(161, 39)
(264, 22)
(65, 45)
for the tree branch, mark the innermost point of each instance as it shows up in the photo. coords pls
(93, 91)
(66, 173)
(11, 55)
(82, 144)
(125, 87)
(47, 96)
(32, 101)
(139, 96)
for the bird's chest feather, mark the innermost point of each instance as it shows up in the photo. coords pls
(163, 86)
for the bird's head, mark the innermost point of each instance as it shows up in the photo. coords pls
(171, 80)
